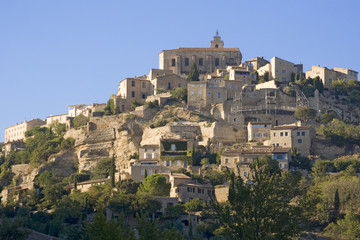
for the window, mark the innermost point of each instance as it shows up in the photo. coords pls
(169, 85)
(226, 160)
(122, 108)
(179, 84)
(245, 174)
(199, 190)
(173, 147)
(167, 163)
(209, 93)
(150, 172)
(229, 85)
(200, 61)
(286, 133)
(283, 71)
(277, 144)
(217, 61)
(133, 94)
(236, 160)
(173, 62)
(186, 61)
(142, 172)
(265, 135)
(297, 133)
(257, 135)
(299, 140)
(192, 92)
(235, 86)
(302, 133)
(219, 94)
(144, 84)
(143, 95)
(281, 134)
(246, 160)
(133, 83)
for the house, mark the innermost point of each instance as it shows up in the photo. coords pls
(86, 110)
(61, 118)
(240, 159)
(258, 131)
(175, 153)
(85, 186)
(243, 73)
(257, 62)
(14, 145)
(17, 132)
(164, 80)
(292, 136)
(282, 69)
(185, 189)
(191, 190)
(328, 75)
(207, 60)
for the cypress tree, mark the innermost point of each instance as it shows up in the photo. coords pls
(193, 74)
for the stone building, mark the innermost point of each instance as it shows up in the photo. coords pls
(257, 62)
(240, 159)
(328, 75)
(292, 136)
(258, 131)
(86, 110)
(282, 69)
(61, 118)
(164, 80)
(207, 60)
(17, 132)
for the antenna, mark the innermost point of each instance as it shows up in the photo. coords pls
(217, 33)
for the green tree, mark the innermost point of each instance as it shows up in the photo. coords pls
(9, 230)
(194, 205)
(110, 106)
(155, 185)
(148, 230)
(305, 113)
(179, 94)
(128, 186)
(193, 74)
(80, 121)
(264, 78)
(348, 228)
(112, 172)
(103, 168)
(262, 208)
(101, 229)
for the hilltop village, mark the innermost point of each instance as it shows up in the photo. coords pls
(204, 113)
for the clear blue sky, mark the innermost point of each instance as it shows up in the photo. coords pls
(58, 53)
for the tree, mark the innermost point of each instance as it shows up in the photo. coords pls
(101, 229)
(155, 185)
(103, 168)
(305, 113)
(179, 94)
(10, 230)
(262, 208)
(194, 205)
(264, 78)
(147, 230)
(128, 186)
(194, 74)
(112, 172)
(80, 121)
(348, 228)
(110, 106)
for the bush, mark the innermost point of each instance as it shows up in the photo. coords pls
(179, 94)
(305, 113)
(153, 104)
(80, 121)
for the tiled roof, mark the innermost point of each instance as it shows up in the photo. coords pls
(290, 127)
